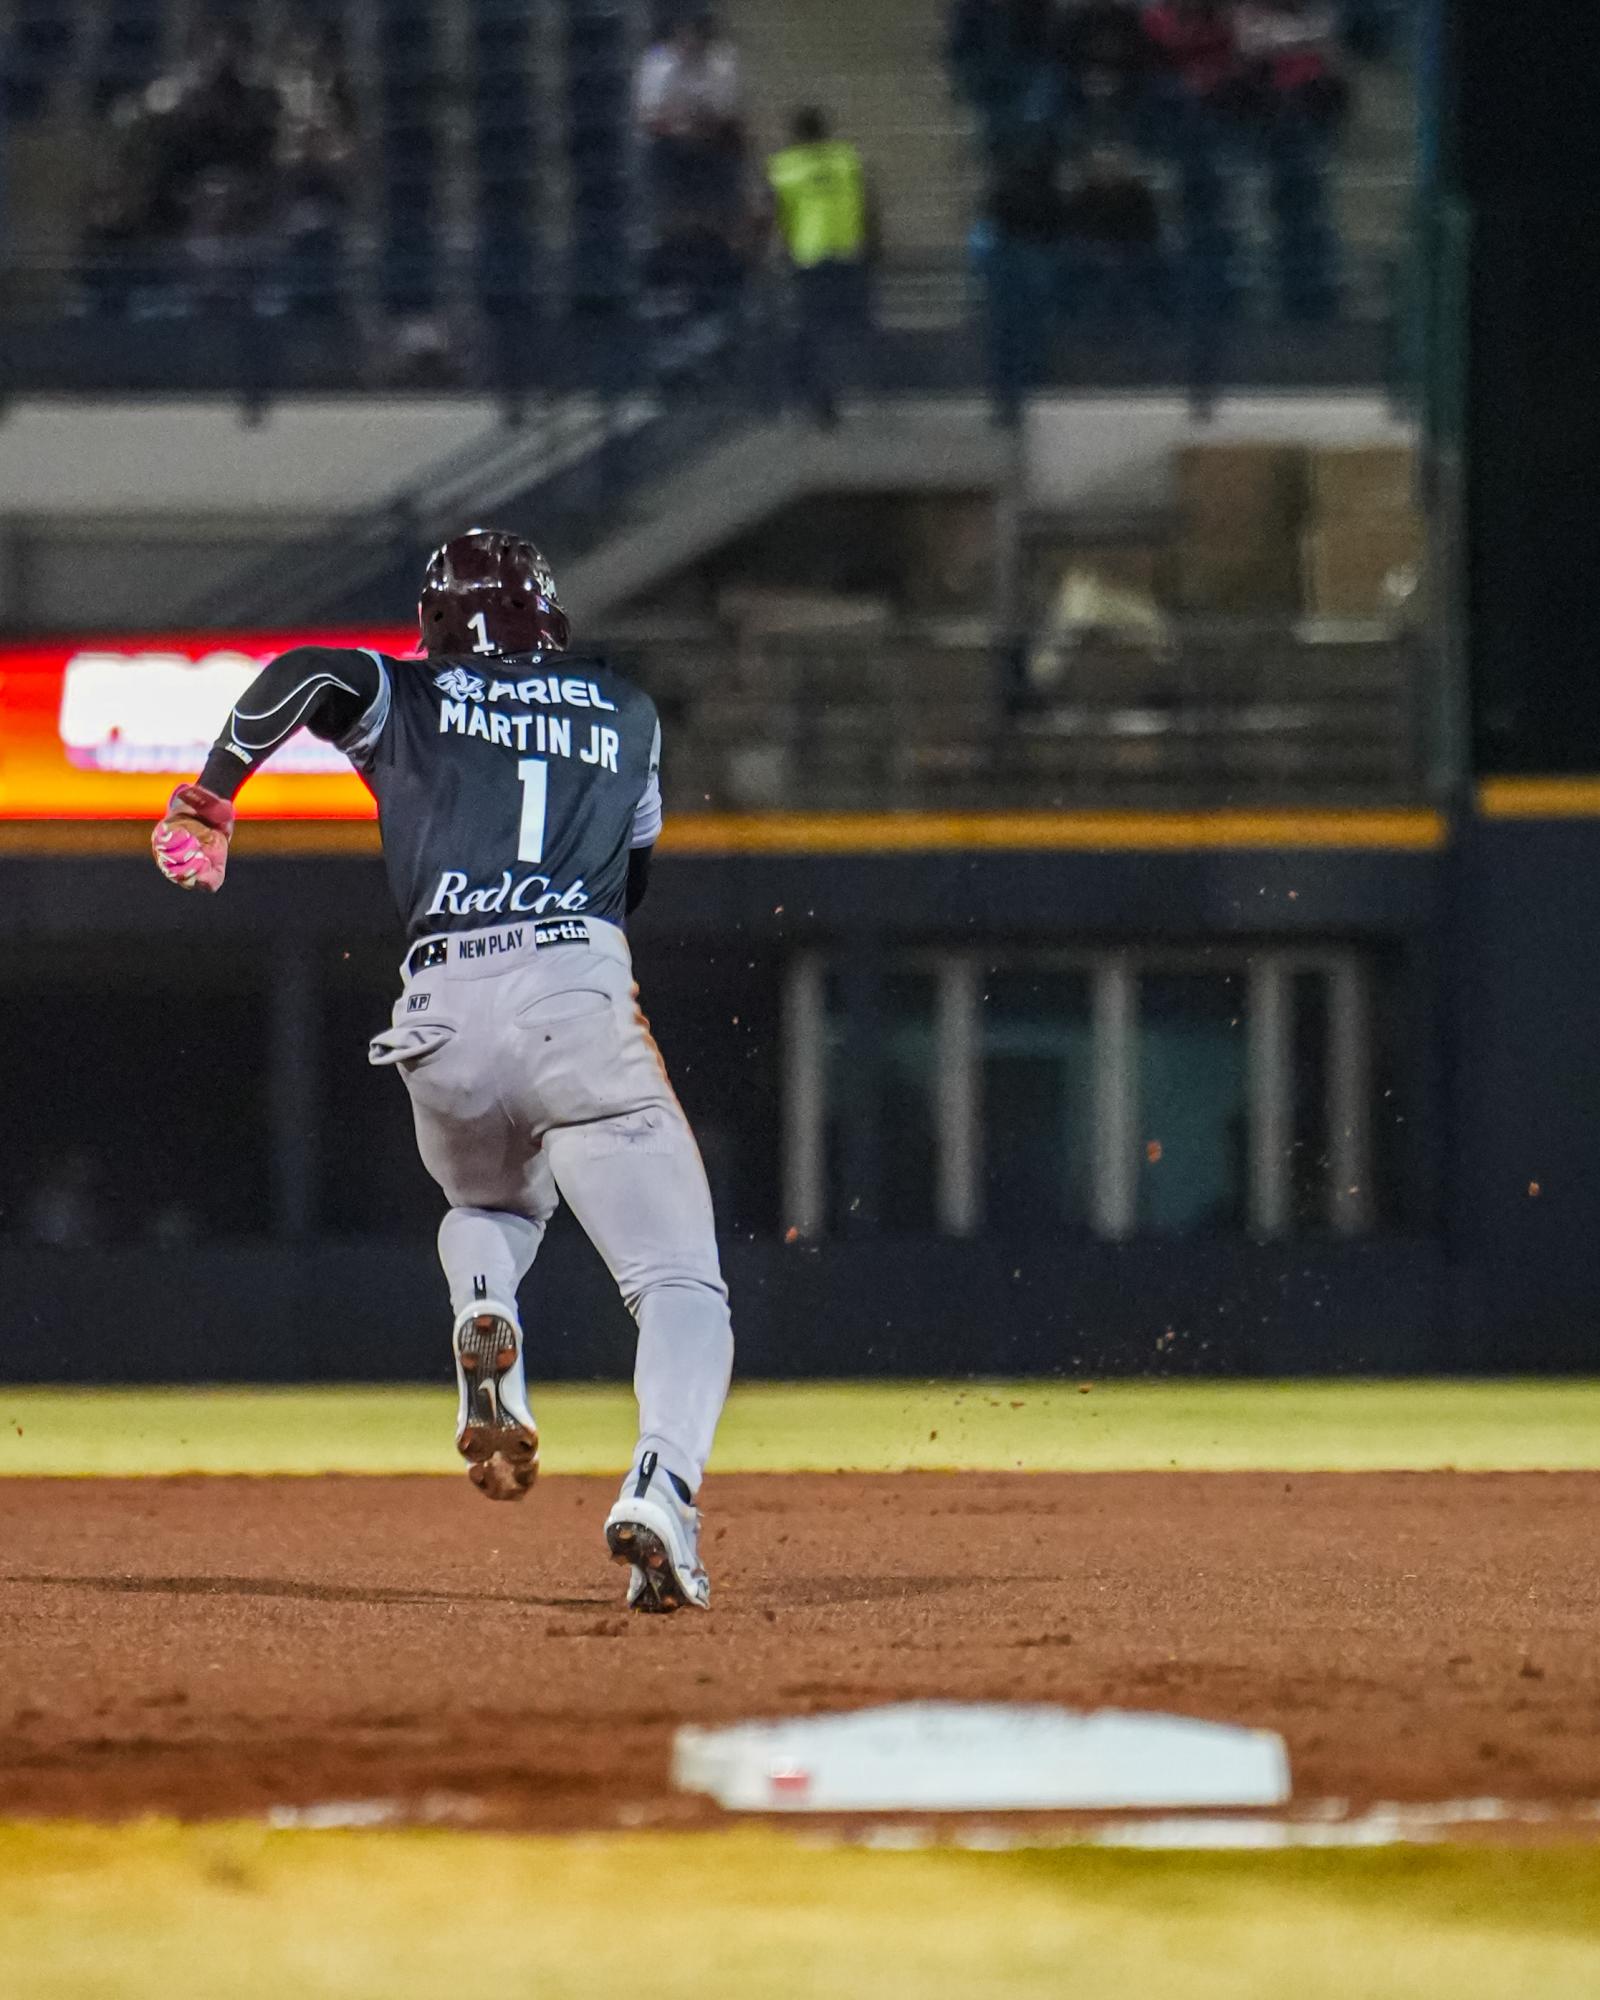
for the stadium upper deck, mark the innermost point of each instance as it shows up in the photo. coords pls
(340, 195)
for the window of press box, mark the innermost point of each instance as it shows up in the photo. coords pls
(881, 1066)
(1119, 1093)
(715, 1011)
(1037, 1093)
(1193, 1097)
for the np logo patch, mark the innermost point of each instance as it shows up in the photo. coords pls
(562, 930)
(419, 1003)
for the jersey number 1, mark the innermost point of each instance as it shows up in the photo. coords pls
(534, 773)
(479, 624)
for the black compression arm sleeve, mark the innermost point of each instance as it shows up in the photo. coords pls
(322, 688)
(638, 876)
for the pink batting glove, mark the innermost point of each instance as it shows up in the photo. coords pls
(191, 844)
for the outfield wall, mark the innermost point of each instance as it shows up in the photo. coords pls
(867, 1041)
(901, 1306)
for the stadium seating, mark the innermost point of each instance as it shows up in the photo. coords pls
(409, 66)
(504, 156)
(1252, 191)
(599, 71)
(37, 49)
(131, 46)
(497, 149)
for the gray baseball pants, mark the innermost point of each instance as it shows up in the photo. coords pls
(533, 1077)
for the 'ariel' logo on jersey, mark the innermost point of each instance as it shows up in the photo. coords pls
(459, 684)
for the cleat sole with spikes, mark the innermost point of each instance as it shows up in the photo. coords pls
(501, 1451)
(645, 1553)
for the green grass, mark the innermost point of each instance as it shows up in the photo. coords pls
(156, 1912)
(881, 1427)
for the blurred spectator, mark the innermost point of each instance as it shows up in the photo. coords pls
(1289, 57)
(316, 101)
(231, 182)
(1111, 239)
(180, 217)
(688, 100)
(1017, 249)
(689, 83)
(826, 224)
(135, 214)
(224, 117)
(1199, 83)
(1108, 59)
(1004, 60)
(689, 103)
(694, 283)
(1370, 28)
(1195, 45)
(315, 157)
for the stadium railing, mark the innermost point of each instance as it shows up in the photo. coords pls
(261, 324)
(1229, 711)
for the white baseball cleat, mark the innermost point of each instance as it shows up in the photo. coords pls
(495, 1431)
(655, 1530)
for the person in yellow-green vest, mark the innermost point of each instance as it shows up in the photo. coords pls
(825, 217)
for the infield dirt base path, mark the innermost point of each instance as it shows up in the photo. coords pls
(219, 1646)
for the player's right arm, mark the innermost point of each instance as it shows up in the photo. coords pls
(337, 694)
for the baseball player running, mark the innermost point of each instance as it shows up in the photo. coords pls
(519, 803)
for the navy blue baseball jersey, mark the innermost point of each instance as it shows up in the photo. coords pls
(510, 786)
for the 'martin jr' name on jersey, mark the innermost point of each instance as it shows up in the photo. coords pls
(464, 712)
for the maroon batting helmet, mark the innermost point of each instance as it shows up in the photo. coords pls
(488, 592)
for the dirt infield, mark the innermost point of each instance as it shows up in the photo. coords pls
(211, 1646)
